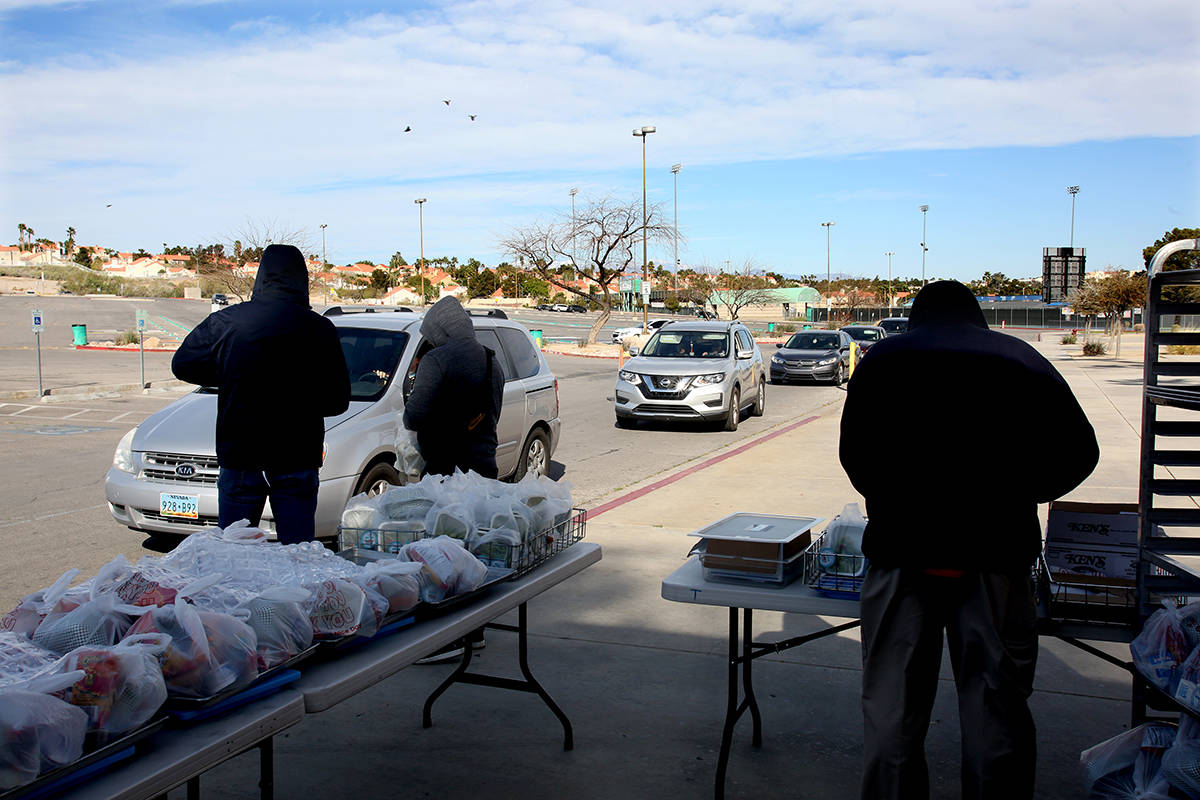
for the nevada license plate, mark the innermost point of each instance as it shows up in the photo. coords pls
(179, 505)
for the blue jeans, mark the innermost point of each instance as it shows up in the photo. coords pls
(241, 494)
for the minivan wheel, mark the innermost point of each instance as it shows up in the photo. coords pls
(735, 411)
(535, 456)
(378, 479)
(760, 403)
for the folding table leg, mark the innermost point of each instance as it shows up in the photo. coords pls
(193, 788)
(748, 679)
(266, 769)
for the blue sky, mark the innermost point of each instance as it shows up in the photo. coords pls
(197, 118)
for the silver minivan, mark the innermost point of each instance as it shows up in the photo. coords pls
(693, 371)
(164, 473)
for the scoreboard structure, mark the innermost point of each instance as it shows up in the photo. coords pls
(1062, 272)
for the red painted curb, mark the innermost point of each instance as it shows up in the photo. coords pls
(125, 349)
(579, 355)
(678, 476)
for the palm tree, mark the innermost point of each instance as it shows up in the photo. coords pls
(70, 241)
(21, 234)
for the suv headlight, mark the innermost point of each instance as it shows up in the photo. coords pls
(629, 377)
(776, 360)
(123, 457)
(824, 362)
(708, 380)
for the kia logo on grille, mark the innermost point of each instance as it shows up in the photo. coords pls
(185, 470)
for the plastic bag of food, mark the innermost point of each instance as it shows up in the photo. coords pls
(398, 582)
(409, 460)
(410, 502)
(33, 608)
(450, 519)
(122, 686)
(339, 608)
(151, 583)
(98, 622)
(1161, 648)
(841, 552)
(362, 513)
(449, 568)
(1118, 755)
(280, 623)
(499, 547)
(208, 650)
(39, 732)
(21, 659)
(1181, 762)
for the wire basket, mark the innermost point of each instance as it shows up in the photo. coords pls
(1093, 600)
(834, 574)
(536, 549)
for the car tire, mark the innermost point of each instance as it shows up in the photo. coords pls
(760, 402)
(535, 456)
(839, 375)
(375, 479)
(733, 416)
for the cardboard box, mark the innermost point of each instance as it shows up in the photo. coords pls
(739, 549)
(1112, 525)
(1083, 564)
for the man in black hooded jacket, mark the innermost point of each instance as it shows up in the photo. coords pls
(456, 397)
(952, 534)
(279, 370)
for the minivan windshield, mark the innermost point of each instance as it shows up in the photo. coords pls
(688, 344)
(372, 358)
(863, 334)
(813, 341)
(894, 325)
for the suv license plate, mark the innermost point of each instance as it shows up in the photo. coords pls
(179, 505)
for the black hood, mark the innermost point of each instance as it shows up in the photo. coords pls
(445, 320)
(282, 275)
(946, 303)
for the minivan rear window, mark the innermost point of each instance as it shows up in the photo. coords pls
(372, 358)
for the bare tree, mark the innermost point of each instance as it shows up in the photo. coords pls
(246, 244)
(606, 235)
(748, 287)
(856, 293)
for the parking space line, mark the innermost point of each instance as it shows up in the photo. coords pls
(118, 416)
(77, 413)
(22, 411)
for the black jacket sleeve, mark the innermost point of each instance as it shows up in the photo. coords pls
(1074, 441)
(197, 359)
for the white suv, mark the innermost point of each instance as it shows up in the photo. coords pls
(164, 473)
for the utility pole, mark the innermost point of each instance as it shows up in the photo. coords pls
(420, 201)
(675, 172)
(324, 263)
(924, 249)
(828, 278)
(574, 257)
(643, 132)
(889, 254)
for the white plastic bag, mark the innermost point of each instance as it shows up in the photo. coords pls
(450, 519)
(100, 621)
(121, 686)
(21, 659)
(1118, 768)
(33, 608)
(280, 623)
(449, 568)
(39, 731)
(398, 582)
(1181, 762)
(362, 513)
(409, 460)
(339, 608)
(499, 547)
(1161, 648)
(151, 583)
(841, 552)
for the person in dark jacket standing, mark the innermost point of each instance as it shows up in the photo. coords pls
(457, 395)
(279, 370)
(952, 537)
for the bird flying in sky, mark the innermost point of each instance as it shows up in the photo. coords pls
(447, 102)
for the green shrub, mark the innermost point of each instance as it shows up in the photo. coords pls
(127, 337)
(1070, 338)
(1183, 349)
(1094, 348)
(785, 327)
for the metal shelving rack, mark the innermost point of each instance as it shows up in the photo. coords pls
(1168, 537)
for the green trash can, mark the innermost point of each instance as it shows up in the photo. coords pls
(79, 334)
(770, 327)
(537, 337)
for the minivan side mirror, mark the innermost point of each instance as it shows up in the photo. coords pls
(744, 354)
(633, 351)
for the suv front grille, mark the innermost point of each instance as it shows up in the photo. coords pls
(165, 468)
(665, 387)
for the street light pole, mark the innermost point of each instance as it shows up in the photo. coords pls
(574, 256)
(1072, 190)
(643, 132)
(924, 249)
(324, 263)
(420, 201)
(889, 254)
(675, 173)
(828, 277)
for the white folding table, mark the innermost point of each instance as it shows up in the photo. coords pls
(688, 585)
(328, 683)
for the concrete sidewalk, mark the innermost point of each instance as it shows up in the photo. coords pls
(643, 679)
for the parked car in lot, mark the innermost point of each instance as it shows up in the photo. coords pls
(559, 307)
(578, 309)
(219, 301)
(693, 371)
(865, 335)
(164, 473)
(620, 334)
(812, 356)
(544, 307)
(893, 326)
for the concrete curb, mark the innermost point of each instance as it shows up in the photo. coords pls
(90, 392)
(116, 349)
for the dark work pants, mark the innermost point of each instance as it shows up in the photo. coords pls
(990, 625)
(241, 494)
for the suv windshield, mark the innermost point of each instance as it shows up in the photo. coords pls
(372, 358)
(813, 341)
(894, 325)
(688, 344)
(863, 334)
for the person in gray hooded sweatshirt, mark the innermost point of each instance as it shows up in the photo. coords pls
(457, 395)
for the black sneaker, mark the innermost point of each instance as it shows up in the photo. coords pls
(451, 652)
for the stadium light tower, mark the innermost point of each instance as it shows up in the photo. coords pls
(643, 132)
(420, 201)
(1072, 190)
(924, 249)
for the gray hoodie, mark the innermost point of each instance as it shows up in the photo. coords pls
(457, 395)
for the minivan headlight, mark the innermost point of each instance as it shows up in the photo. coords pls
(708, 380)
(123, 457)
(629, 377)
